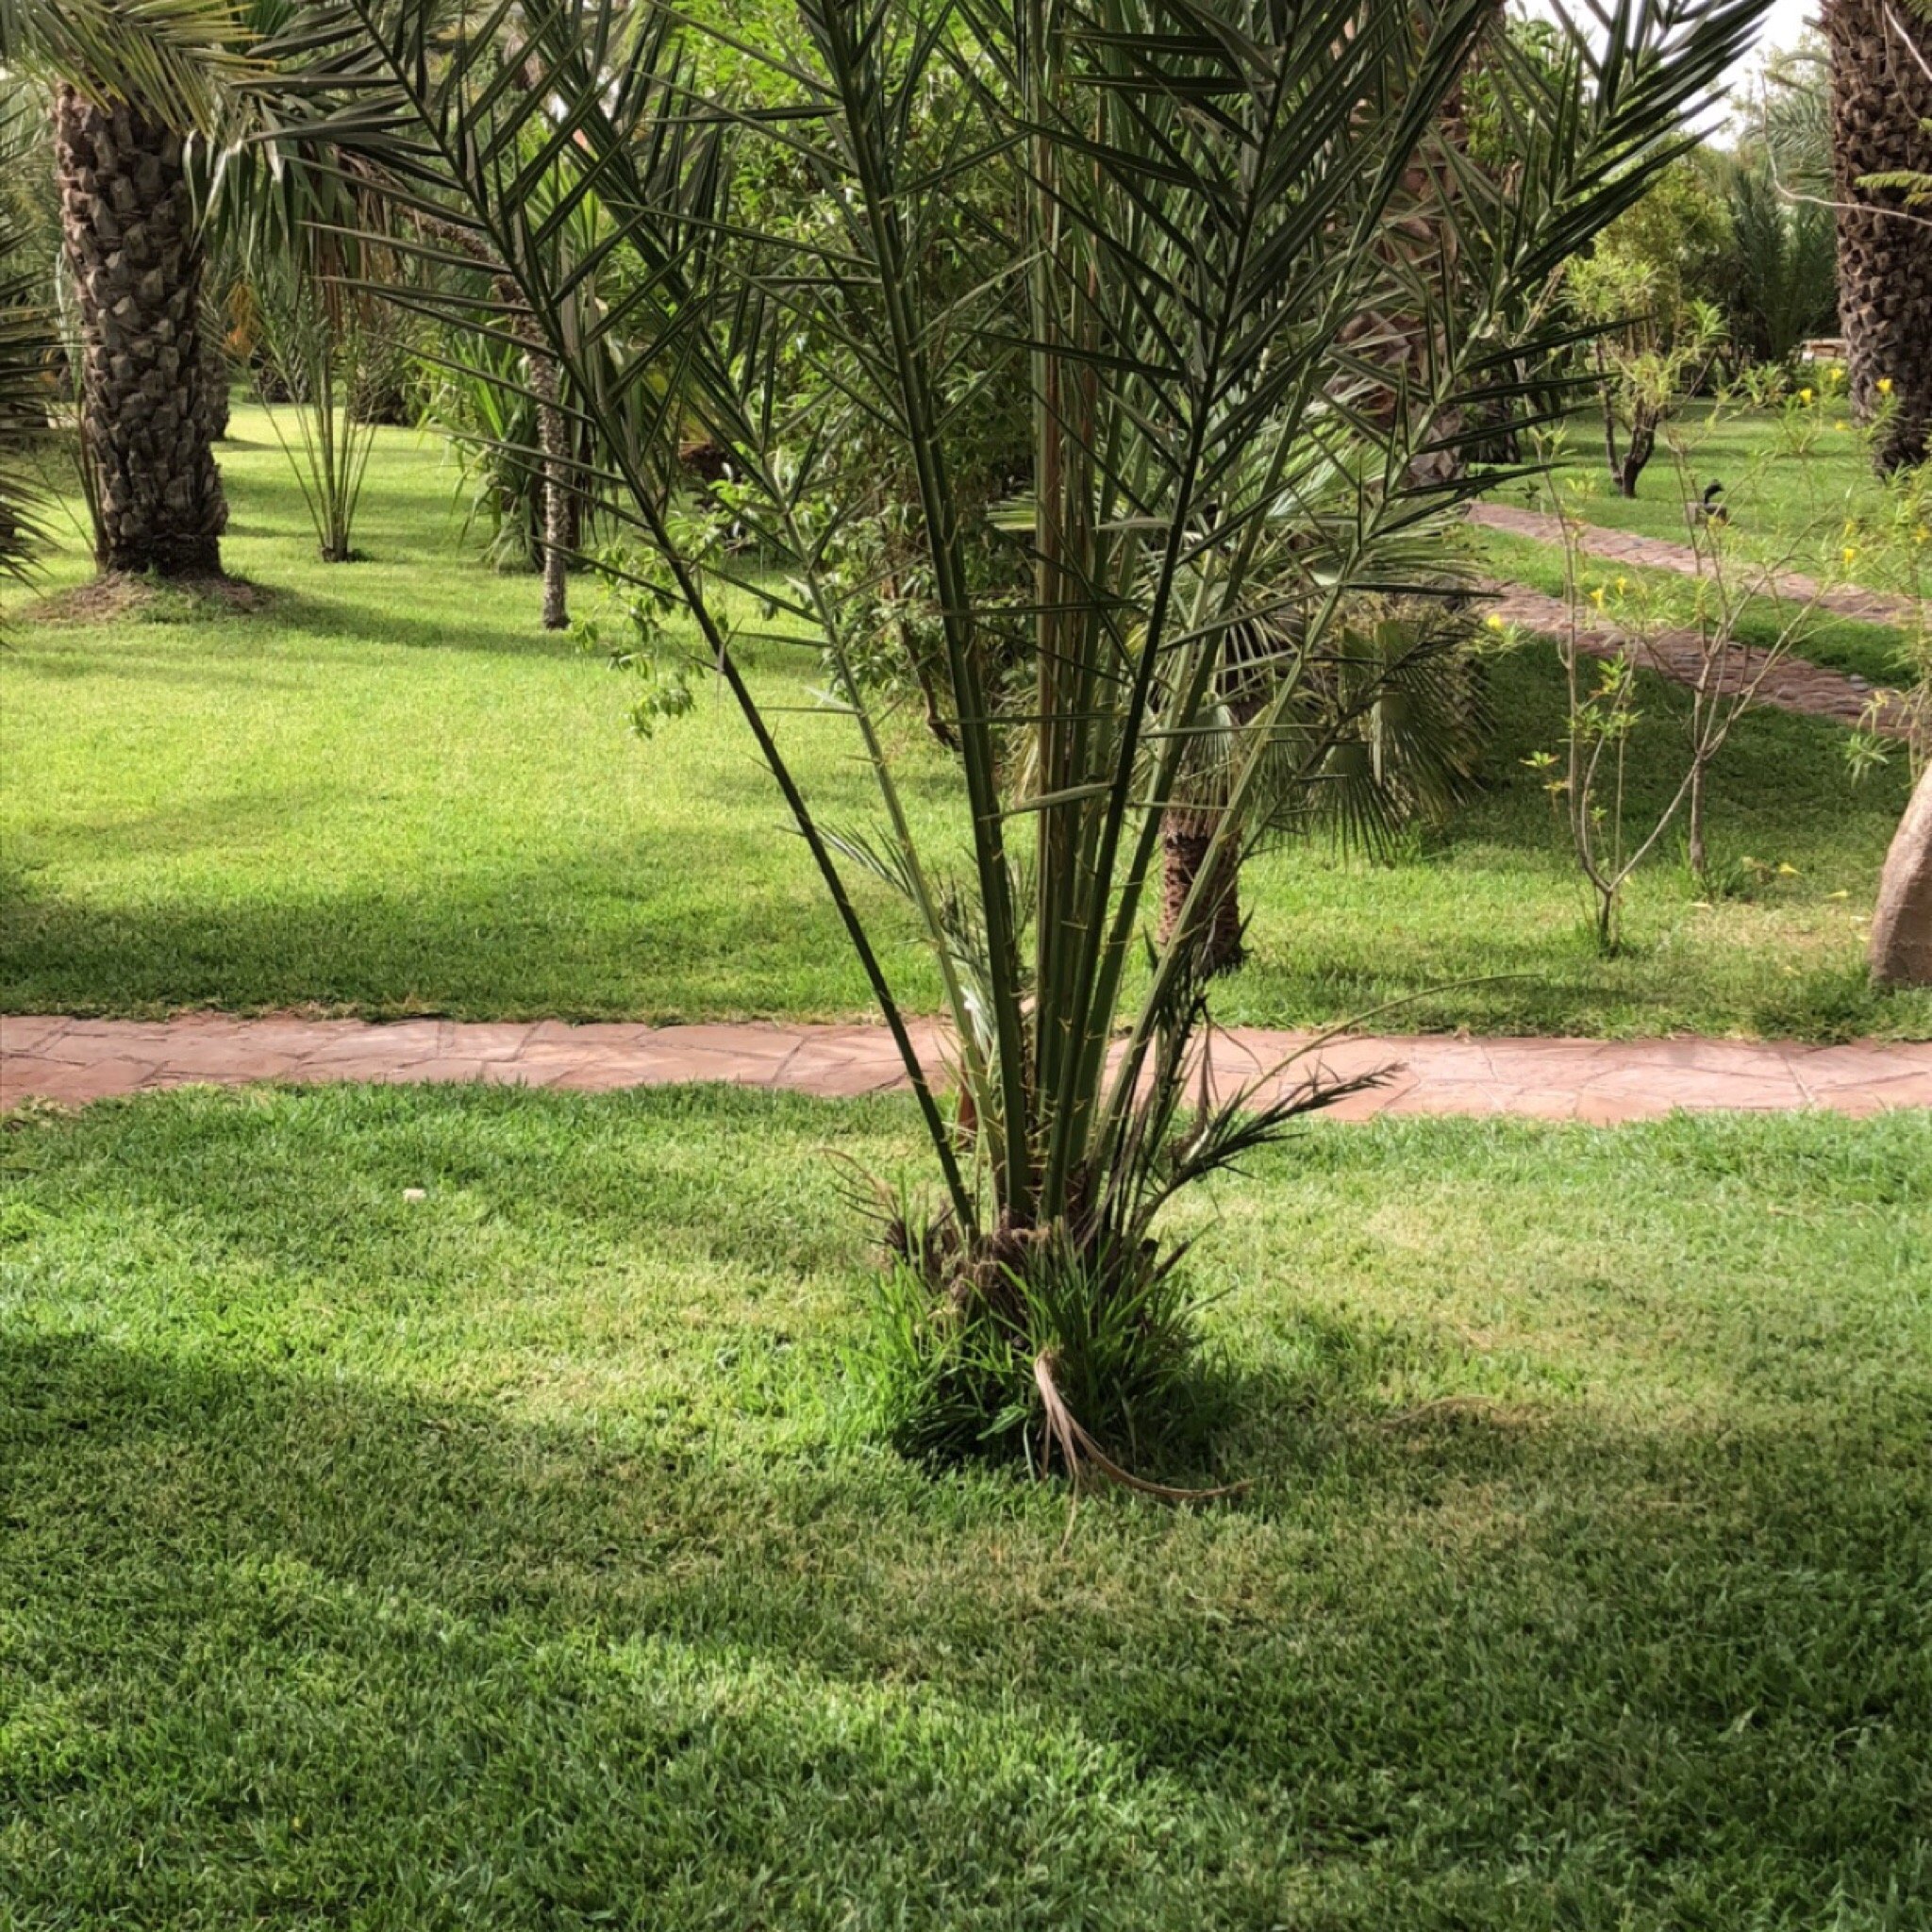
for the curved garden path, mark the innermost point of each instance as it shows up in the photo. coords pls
(1791, 684)
(54, 1058)
(1656, 553)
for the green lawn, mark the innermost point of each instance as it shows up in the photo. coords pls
(518, 1557)
(387, 792)
(1790, 502)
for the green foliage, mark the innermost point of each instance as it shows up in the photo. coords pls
(953, 1381)
(181, 60)
(27, 346)
(1780, 285)
(1659, 259)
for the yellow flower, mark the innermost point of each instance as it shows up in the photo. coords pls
(1850, 553)
(1596, 596)
(1495, 622)
(1804, 396)
(1885, 385)
(1623, 585)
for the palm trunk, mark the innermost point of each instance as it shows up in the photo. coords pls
(128, 232)
(214, 382)
(1881, 100)
(555, 505)
(1901, 928)
(1185, 837)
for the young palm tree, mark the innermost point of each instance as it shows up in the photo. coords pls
(130, 82)
(1199, 191)
(1881, 122)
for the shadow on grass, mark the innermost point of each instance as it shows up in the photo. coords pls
(637, 931)
(278, 1638)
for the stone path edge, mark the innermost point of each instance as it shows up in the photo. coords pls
(57, 1057)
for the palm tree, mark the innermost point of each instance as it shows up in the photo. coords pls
(130, 83)
(1201, 189)
(1881, 120)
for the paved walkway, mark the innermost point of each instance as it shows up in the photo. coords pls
(1790, 683)
(54, 1058)
(1656, 553)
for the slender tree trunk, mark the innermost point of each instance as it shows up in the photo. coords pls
(553, 440)
(1901, 928)
(1881, 101)
(1699, 853)
(128, 232)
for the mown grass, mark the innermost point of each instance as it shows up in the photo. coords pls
(1789, 495)
(518, 1557)
(385, 791)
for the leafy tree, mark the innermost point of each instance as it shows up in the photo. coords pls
(1643, 287)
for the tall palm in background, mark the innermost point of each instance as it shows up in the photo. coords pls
(1881, 131)
(131, 82)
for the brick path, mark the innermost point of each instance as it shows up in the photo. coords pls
(1792, 684)
(57, 1058)
(1654, 553)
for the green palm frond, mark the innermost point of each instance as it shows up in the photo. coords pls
(177, 59)
(27, 337)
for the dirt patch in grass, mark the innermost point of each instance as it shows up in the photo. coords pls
(120, 597)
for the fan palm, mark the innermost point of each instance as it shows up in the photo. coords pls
(1199, 190)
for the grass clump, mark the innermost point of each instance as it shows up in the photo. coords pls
(1054, 1362)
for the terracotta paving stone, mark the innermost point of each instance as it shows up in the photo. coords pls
(73, 1061)
(25, 1032)
(68, 1084)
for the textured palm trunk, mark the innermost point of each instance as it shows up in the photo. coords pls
(1881, 99)
(127, 224)
(215, 383)
(1185, 840)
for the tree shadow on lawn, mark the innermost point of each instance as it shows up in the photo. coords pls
(283, 1637)
(479, 628)
(706, 930)
(1776, 768)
